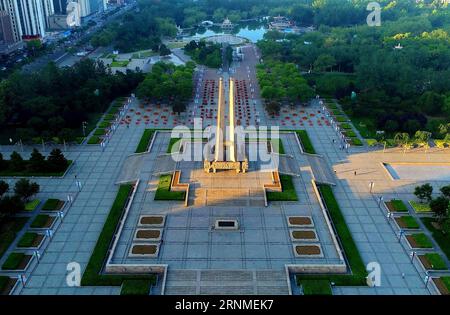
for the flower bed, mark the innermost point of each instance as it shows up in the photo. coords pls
(53, 205)
(30, 240)
(407, 222)
(16, 261)
(42, 221)
(419, 240)
(420, 207)
(396, 205)
(433, 261)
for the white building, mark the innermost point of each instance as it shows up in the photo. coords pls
(29, 18)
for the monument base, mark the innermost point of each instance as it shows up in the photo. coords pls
(240, 166)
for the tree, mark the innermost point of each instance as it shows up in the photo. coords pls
(57, 161)
(422, 136)
(439, 206)
(446, 191)
(164, 50)
(273, 107)
(37, 161)
(324, 62)
(25, 189)
(16, 162)
(4, 187)
(10, 205)
(424, 192)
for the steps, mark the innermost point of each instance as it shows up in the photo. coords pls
(226, 282)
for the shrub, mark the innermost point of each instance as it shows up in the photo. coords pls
(57, 161)
(26, 189)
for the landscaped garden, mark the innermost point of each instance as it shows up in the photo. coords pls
(288, 193)
(163, 191)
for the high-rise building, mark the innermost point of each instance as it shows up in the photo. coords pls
(6, 31)
(60, 6)
(29, 18)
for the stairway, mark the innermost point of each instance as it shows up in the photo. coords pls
(226, 282)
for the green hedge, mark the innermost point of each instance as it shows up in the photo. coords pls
(136, 287)
(94, 140)
(305, 141)
(316, 287)
(359, 273)
(40, 221)
(163, 191)
(144, 143)
(92, 274)
(288, 193)
(46, 172)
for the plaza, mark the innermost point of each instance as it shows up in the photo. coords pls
(190, 254)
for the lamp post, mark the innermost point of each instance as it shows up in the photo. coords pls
(84, 125)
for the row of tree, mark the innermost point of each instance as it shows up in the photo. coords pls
(55, 162)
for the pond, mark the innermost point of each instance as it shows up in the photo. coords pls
(252, 33)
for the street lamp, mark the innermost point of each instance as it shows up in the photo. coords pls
(84, 125)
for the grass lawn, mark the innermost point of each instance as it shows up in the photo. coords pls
(288, 193)
(94, 140)
(135, 287)
(92, 275)
(41, 221)
(29, 239)
(396, 205)
(436, 261)
(420, 207)
(365, 126)
(8, 231)
(407, 222)
(358, 268)
(421, 240)
(341, 118)
(14, 261)
(355, 141)
(108, 117)
(32, 205)
(120, 63)
(163, 191)
(52, 205)
(305, 141)
(446, 281)
(442, 239)
(350, 133)
(316, 287)
(144, 143)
